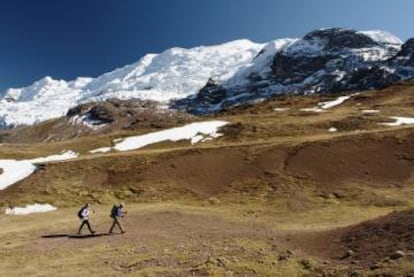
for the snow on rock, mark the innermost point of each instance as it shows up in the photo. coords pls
(400, 121)
(382, 37)
(193, 132)
(101, 150)
(333, 130)
(30, 209)
(65, 155)
(261, 64)
(14, 171)
(86, 121)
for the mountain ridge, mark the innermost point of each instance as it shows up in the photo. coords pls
(207, 79)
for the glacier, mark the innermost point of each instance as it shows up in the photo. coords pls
(180, 73)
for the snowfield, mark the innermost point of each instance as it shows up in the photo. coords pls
(14, 171)
(194, 132)
(30, 209)
(173, 74)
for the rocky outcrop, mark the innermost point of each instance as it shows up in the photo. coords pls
(338, 38)
(212, 93)
(406, 56)
(297, 68)
(124, 114)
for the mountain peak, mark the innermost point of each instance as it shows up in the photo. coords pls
(324, 60)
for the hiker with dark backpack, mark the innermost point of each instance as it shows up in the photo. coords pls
(83, 215)
(117, 213)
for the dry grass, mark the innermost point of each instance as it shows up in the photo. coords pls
(224, 208)
(169, 240)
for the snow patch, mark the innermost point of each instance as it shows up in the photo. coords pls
(14, 171)
(333, 130)
(323, 106)
(64, 155)
(191, 132)
(399, 120)
(101, 150)
(196, 139)
(370, 111)
(30, 209)
(280, 109)
(334, 103)
(315, 110)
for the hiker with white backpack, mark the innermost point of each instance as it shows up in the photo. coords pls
(83, 215)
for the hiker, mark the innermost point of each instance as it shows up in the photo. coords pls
(116, 213)
(83, 214)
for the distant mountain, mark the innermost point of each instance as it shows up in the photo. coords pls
(323, 61)
(208, 79)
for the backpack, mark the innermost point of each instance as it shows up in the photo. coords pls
(114, 211)
(80, 212)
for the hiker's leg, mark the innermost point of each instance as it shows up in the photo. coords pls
(81, 226)
(112, 227)
(118, 223)
(89, 226)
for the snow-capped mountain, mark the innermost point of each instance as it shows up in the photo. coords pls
(327, 60)
(176, 73)
(209, 78)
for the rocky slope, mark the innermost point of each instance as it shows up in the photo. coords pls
(208, 79)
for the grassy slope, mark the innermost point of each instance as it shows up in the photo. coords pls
(231, 206)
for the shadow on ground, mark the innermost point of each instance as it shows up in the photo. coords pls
(74, 236)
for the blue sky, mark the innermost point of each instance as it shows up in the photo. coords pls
(70, 38)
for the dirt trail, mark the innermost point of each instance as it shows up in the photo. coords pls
(171, 241)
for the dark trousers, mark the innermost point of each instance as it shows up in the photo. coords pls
(116, 223)
(85, 222)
